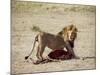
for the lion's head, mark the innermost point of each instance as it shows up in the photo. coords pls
(69, 33)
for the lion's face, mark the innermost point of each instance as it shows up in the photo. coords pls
(70, 33)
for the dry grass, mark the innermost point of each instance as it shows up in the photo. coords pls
(35, 28)
(16, 6)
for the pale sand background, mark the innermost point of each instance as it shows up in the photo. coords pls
(51, 18)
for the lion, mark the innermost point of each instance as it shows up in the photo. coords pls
(64, 39)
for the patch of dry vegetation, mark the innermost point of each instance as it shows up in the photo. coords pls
(35, 28)
(22, 5)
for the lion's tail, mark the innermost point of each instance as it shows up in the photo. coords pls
(36, 39)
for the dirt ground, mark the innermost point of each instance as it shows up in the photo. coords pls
(51, 18)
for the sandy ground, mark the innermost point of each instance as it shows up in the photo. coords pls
(52, 19)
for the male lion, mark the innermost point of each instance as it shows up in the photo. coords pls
(64, 39)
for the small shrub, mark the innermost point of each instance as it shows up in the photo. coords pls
(53, 7)
(35, 28)
(47, 8)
